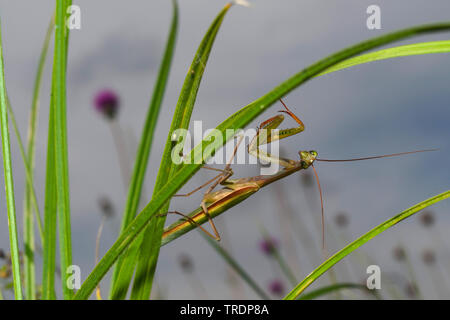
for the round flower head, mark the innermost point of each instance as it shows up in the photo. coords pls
(268, 245)
(399, 254)
(107, 103)
(276, 287)
(106, 206)
(186, 263)
(341, 220)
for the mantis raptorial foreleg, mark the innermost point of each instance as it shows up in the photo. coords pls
(266, 134)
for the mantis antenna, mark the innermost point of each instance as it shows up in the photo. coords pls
(376, 157)
(321, 205)
(353, 159)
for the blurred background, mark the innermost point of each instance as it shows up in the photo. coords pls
(382, 107)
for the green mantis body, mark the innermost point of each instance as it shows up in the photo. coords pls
(237, 190)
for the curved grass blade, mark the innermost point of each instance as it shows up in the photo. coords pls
(145, 144)
(60, 143)
(30, 194)
(49, 248)
(238, 120)
(9, 183)
(30, 199)
(360, 241)
(28, 225)
(28, 171)
(151, 239)
(124, 269)
(335, 287)
(49, 241)
(396, 52)
(236, 267)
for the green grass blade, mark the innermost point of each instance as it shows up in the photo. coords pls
(29, 273)
(396, 52)
(30, 193)
(335, 287)
(49, 247)
(236, 267)
(124, 269)
(60, 136)
(236, 121)
(151, 239)
(145, 144)
(32, 124)
(28, 225)
(30, 200)
(9, 183)
(360, 241)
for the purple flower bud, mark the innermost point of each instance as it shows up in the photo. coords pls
(106, 206)
(185, 262)
(427, 218)
(341, 220)
(276, 287)
(268, 245)
(399, 254)
(107, 103)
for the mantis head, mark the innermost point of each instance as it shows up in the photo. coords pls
(307, 158)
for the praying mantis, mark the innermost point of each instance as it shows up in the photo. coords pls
(235, 191)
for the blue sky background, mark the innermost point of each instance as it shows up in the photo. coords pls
(378, 108)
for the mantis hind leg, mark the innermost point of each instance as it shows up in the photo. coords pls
(218, 179)
(222, 178)
(211, 222)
